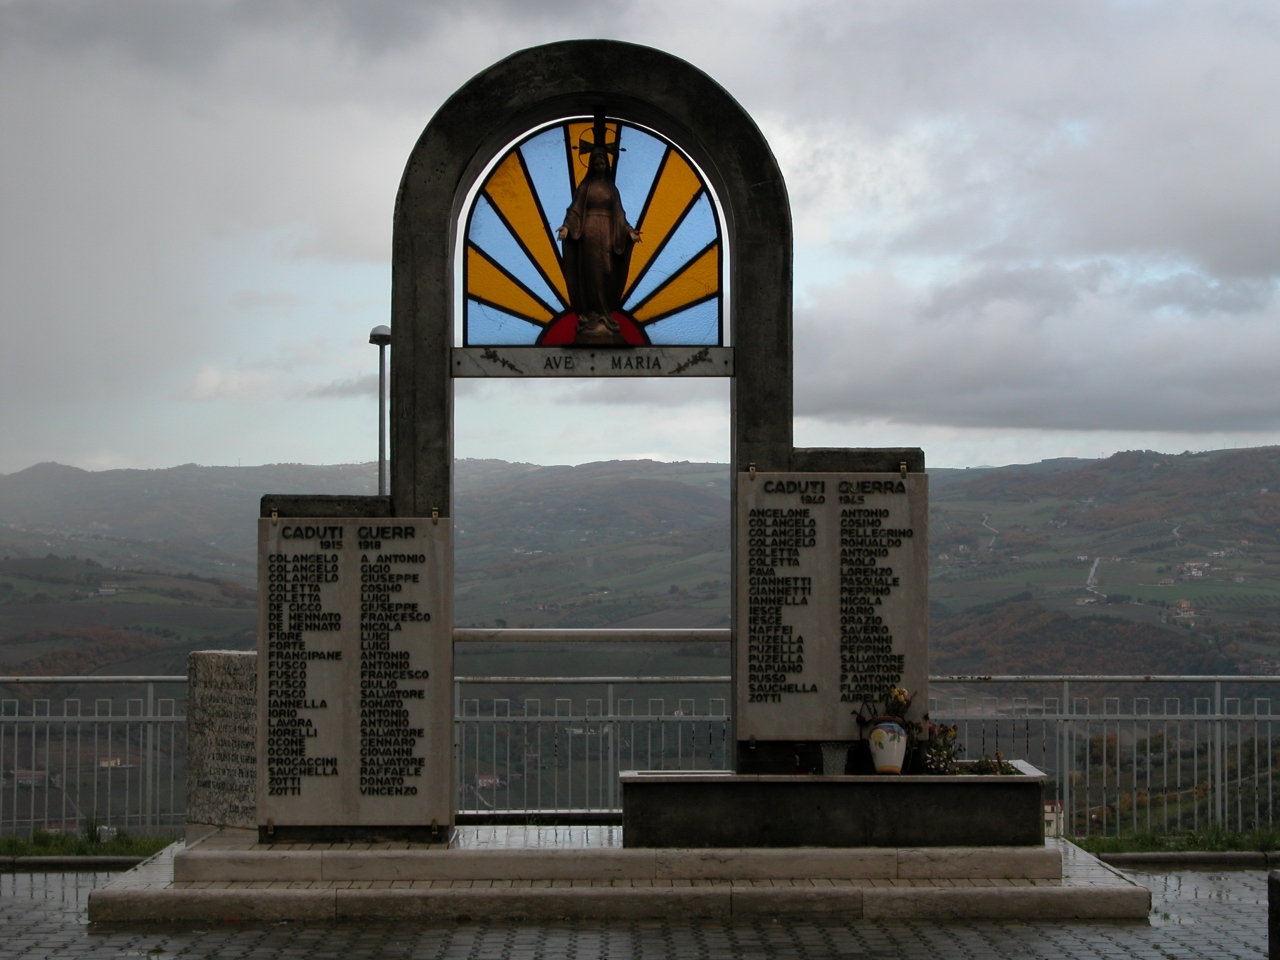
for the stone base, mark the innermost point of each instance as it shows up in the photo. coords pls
(209, 882)
(314, 863)
(692, 810)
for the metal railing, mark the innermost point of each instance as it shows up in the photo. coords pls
(1127, 753)
(1122, 753)
(115, 760)
(524, 754)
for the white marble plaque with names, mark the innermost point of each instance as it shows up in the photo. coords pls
(832, 600)
(355, 663)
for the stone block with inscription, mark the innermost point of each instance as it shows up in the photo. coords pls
(833, 608)
(355, 667)
(222, 721)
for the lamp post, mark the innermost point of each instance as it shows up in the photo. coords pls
(381, 335)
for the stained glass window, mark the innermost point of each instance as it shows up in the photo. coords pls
(662, 263)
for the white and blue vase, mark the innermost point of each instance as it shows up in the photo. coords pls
(888, 744)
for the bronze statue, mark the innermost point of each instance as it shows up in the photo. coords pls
(597, 242)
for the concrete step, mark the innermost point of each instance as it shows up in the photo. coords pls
(1088, 889)
(285, 862)
(622, 902)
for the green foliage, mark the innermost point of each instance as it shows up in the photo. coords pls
(989, 766)
(940, 750)
(45, 844)
(1207, 840)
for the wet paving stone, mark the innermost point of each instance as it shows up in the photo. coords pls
(1210, 914)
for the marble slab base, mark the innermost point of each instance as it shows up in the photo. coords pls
(601, 880)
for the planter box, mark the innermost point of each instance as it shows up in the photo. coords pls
(706, 809)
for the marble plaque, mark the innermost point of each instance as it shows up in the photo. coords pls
(832, 600)
(355, 666)
(222, 720)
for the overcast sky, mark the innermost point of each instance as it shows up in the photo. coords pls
(1023, 229)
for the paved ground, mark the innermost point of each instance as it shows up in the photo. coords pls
(1195, 914)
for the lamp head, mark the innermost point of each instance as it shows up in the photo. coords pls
(381, 335)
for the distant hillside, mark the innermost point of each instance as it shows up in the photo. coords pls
(78, 652)
(1180, 546)
(1026, 638)
(1242, 487)
(218, 506)
(596, 544)
(580, 546)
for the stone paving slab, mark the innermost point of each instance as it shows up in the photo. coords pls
(1211, 914)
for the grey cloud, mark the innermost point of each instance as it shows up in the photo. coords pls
(1038, 289)
(1195, 293)
(1031, 356)
(364, 386)
(1081, 129)
(187, 37)
(1054, 215)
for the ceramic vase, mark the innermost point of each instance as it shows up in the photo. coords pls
(888, 744)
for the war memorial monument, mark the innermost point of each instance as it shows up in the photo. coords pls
(600, 209)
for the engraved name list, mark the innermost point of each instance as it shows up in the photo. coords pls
(832, 611)
(355, 660)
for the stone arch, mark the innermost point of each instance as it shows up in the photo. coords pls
(541, 84)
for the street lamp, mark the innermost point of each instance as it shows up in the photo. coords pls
(381, 335)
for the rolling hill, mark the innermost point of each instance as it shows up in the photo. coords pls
(1143, 557)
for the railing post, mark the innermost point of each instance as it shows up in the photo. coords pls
(457, 752)
(611, 765)
(1065, 762)
(1219, 801)
(151, 753)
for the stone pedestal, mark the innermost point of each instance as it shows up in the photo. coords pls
(222, 719)
(703, 810)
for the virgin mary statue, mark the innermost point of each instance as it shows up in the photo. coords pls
(597, 242)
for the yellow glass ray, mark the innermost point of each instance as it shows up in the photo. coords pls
(698, 280)
(677, 185)
(578, 161)
(509, 190)
(486, 282)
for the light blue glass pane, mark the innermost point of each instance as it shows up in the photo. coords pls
(544, 155)
(697, 230)
(491, 235)
(637, 166)
(696, 327)
(488, 327)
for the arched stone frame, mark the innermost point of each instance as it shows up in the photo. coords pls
(673, 98)
(679, 101)
(536, 86)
